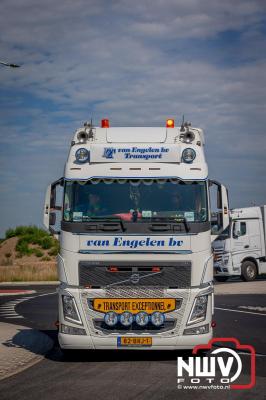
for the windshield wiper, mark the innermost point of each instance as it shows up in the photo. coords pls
(173, 219)
(108, 218)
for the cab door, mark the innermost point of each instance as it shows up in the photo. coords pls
(240, 237)
(240, 244)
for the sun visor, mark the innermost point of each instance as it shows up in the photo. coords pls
(134, 153)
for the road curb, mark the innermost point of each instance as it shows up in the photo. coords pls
(29, 283)
(15, 292)
(20, 348)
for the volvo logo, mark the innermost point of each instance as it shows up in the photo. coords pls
(134, 278)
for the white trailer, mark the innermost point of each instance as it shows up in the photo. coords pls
(241, 248)
(135, 265)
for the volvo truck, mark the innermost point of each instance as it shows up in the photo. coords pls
(132, 213)
(240, 250)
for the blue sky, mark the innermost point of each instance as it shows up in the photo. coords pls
(136, 63)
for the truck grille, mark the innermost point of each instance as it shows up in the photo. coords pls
(175, 275)
(218, 254)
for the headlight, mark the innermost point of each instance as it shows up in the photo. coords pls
(199, 330)
(71, 330)
(111, 318)
(199, 309)
(70, 309)
(126, 318)
(82, 155)
(188, 155)
(142, 318)
(157, 318)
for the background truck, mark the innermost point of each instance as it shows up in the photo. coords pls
(135, 262)
(241, 248)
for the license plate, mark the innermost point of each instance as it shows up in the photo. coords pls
(134, 305)
(134, 341)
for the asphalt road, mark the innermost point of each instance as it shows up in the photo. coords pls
(126, 375)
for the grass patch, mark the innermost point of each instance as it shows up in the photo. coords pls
(28, 272)
(32, 235)
(46, 258)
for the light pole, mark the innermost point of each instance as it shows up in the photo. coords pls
(9, 64)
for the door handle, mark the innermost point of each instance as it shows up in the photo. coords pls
(246, 247)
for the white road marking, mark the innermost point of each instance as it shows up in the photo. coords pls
(7, 310)
(239, 311)
(254, 308)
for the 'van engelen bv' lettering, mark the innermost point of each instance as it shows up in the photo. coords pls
(118, 241)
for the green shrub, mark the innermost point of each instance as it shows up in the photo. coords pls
(53, 251)
(10, 233)
(22, 247)
(32, 235)
(47, 242)
(37, 252)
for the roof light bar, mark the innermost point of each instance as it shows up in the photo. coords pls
(170, 123)
(105, 123)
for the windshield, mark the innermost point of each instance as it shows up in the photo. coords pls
(135, 200)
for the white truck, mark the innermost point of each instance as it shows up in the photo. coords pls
(240, 250)
(136, 263)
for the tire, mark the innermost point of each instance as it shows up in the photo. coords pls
(248, 271)
(221, 278)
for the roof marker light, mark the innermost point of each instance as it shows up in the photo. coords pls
(105, 123)
(170, 123)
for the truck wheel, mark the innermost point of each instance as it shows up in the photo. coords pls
(249, 271)
(221, 278)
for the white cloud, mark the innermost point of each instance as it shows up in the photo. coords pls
(134, 63)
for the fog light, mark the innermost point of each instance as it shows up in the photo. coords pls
(111, 318)
(126, 318)
(71, 330)
(157, 318)
(199, 330)
(188, 155)
(142, 318)
(82, 155)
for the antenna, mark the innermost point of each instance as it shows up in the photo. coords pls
(182, 129)
(91, 134)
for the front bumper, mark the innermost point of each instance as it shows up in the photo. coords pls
(172, 339)
(110, 343)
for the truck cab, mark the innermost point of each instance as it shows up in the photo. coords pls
(240, 250)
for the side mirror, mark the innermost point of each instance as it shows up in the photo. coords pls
(219, 197)
(236, 230)
(46, 211)
(50, 207)
(222, 205)
(52, 218)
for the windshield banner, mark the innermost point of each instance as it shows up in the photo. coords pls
(136, 153)
(134, 243)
